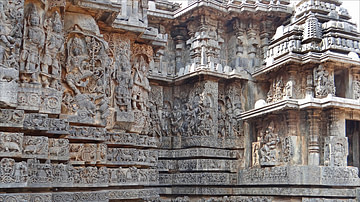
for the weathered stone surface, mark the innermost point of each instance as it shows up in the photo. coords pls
(124, 156)
(87, 153)
(133, 194)
(132, 176)
(86, 133)
(11, 144)
(223, 100)
(59, 149)
(300, 175)
(11, 118)
(197, 179)
(94, 196)
(130, 139)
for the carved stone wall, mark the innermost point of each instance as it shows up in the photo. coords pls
(143, 100)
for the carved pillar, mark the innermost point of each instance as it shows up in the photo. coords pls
(265, 37)
(313, 138)
(239, 28)
(336, 123)
(292, 122)
(179, 47)
(253, 45)
(309, 90)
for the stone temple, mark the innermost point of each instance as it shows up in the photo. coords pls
(143, 100)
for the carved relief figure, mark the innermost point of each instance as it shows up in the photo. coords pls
(221, 120)
(269, 141)
(356, 87)
(11, 27)
(34, 39)
(141, 87)
(11, 143)
(54, 45)
(88, 69)
(324, 82)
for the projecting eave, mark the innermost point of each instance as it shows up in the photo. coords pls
(103, 10)
(200, 72)
(269, 108)
(301, 104)
(236, 7)
(302, 59)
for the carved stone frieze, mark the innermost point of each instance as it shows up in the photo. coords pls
(35, 147)
(90, 176)
(87, 153)
(198, 165)
(127, 156)
(132, 176)
(199, 152)
(93, 196)
(29, 96)
(130, 139)
(36, 121)
(129, 194)
(59, 149)
(13, 174)
(11, 118)
(86, 133)
(147, 100)
(197, 179)
(58, 126)
(11, 144)
(51, 100)
(26, 197)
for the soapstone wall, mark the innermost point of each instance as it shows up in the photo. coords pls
(147, 101)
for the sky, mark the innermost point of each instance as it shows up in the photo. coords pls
(353, 7)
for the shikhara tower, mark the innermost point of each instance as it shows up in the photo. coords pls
(239, 100)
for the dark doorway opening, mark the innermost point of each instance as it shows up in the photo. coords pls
(353, 133)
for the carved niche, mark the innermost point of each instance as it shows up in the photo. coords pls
(87, 75)
(335, 151)
(280, 90)
(267, 150)
(323, 81)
